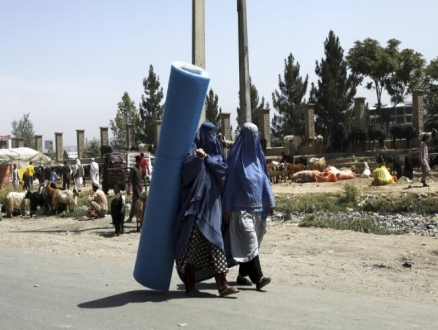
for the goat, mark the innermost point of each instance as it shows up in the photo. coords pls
(15, 199)
(118, 213)
(139, 208)
(62, 197)
(36, 199)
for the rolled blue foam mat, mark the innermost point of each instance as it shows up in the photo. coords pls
(188, 85)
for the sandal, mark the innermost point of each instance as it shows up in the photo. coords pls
(243, 281)
(263, 282)
(228, 291)
(195, 293)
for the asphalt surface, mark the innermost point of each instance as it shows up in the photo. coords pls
(51, 291)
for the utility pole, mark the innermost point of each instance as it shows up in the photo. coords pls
(244, 83)
(198, 39)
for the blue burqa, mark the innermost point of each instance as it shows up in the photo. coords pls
(202, 179)
(247, 186)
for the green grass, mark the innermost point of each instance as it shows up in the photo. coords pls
(357, 224)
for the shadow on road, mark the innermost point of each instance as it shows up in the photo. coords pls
(138, 296)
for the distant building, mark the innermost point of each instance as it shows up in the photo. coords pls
(401, 114)
(5, 142)
(48, 144)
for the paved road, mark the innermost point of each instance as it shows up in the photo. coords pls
(50, 291)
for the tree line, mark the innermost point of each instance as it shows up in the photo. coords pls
(380, 68)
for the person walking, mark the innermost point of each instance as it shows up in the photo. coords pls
(15, 178)
(135, 179)
(247, 199)
(94, 172)
(78, 175)
(424, 159)
(66, 170)
(199, 245)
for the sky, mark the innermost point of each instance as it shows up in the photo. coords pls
(68, 63)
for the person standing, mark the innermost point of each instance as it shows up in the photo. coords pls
(98, 201)
(247, 199)
(30, 171)
(424, 159)
(79, 175)
(135, 179)
(66, 176)
(94, 172)
(15, 179)
(144, 168)
(199, 245)
(53, 176)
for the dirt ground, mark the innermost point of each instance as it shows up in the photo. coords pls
(343, 261)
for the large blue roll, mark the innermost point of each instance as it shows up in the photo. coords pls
(185, 99)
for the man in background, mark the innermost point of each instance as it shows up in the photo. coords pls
(144, 168)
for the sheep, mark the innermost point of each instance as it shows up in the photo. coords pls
(118, 213)
(139, 208)
(15, 199)
(63, 197)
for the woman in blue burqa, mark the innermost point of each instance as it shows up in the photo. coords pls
(246, 202)
(199, 246)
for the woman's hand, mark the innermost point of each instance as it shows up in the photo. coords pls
(271, 211)
(200, 153)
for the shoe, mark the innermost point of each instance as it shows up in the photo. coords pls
(243, 281)
(425, 184)
(262, 283)
(129, 220)
(228, 291)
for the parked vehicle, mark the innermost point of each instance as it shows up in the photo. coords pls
(115, 172)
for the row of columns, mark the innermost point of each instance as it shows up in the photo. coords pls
(264, 129)
(80, 138)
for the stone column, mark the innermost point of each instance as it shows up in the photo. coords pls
(157, 132)
(265, 126)
(359, 113)
(198, 39)
(59, 147)
(104, 136)
(226, 125)
(129, 136)
(20, 143)
(418, 110)
(244, 82)
(80, 134)
(39, 143)
(309, 122)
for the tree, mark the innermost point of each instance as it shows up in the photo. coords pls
(212, 109)
(150, 107)
(92, 149)
(430, 86)
(369, 59)
(288, 101)
(23, 129)
(51, 152)
(127, 113)
(256, 104)
(335, 89)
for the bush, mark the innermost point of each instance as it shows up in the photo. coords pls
(351, 193)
